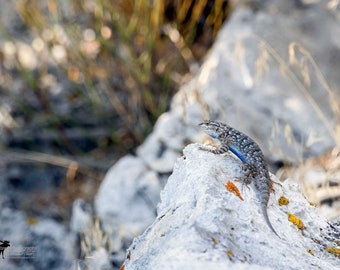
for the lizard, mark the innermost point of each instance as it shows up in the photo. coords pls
(248, 151)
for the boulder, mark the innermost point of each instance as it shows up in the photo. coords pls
(201, 224)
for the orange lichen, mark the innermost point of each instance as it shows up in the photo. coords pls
(283, 201)
(122, 267)
(271, 187)
(230, 186)
(128, 256)
(296, 221)
(310, 252)
(335, 251)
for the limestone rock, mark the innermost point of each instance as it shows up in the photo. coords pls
(127, 198)
(202, 225)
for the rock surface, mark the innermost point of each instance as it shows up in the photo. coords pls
(201, 225)
(126, 203)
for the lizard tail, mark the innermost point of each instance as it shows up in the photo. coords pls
(265, 214)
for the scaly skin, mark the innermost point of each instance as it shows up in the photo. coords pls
(248, 151)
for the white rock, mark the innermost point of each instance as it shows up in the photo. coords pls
(201, 225)
(127, 197)
(161, 149)
(98, 260)
(248, 82)
(81, 216)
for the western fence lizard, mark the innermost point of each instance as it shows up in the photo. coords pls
(248, 151)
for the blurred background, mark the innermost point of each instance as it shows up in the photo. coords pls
(82, 83)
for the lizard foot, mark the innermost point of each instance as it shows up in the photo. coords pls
(244, 181)
(249, 172)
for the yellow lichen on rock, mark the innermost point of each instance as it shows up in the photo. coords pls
(310, 252)
(335, 251)
(283, 201)
(295, 220)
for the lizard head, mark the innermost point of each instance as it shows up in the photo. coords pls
(212, 128)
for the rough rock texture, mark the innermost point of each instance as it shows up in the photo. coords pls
(138, 187)
(248, 82)
(201, 225)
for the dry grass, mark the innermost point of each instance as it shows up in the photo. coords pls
(326, 187)
(84, 81)
(93, 239)
(122, 58)
(303, 83)
(318, 177)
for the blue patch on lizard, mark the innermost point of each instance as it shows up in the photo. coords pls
(213, 135)
(238, 153)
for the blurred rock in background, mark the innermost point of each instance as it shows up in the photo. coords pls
(82, 84)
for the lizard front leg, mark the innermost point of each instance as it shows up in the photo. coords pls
(249, 173)
(223, 149)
